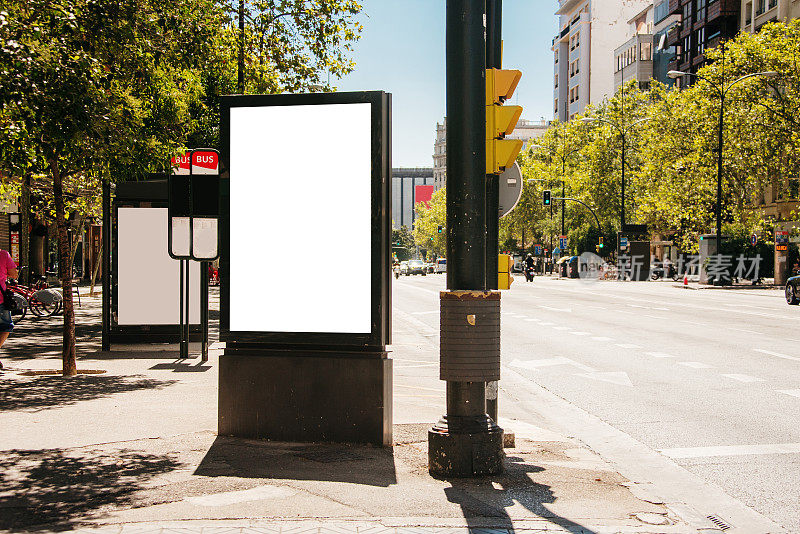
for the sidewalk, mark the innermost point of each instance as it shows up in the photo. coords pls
(134, 450)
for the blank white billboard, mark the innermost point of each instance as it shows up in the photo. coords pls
(148, 280)
(300, 227)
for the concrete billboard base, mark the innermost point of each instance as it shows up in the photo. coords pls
(306, 396)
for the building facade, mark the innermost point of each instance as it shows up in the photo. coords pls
(404, 193)
(756, 13)
(525, 130)
(645, 55)
(703, 24)
(440, 155)
(583, 72)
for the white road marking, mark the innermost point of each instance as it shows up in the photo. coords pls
(532, 320)
(746, 331)
(579, 333)
(792, 392)
(549, 362)
(259, 493)
(628, 346)
(602, 338)
(696, 365)
(615, 377)
(731, 450)
(425, 312)
(536, 364)
(560, 328)
(778, 355)
(744, 378)
(659, 355)
(419, 387)
(566, 310)
(654, 317)
(521, 316)
(547, 324)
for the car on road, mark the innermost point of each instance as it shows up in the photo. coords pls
(792, 291)
(441, 266)
(413, 267)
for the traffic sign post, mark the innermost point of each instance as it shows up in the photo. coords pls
(510, 189)
(192, 224)
(562, 242)
(753, 239)
(623, 243)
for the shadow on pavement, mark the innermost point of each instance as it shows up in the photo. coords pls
(246, 458)
(46, 490)
(180, 367)
(57, 391)
(488, 498)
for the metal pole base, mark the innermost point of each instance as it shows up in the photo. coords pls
(465, 447)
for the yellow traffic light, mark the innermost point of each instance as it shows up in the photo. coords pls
(501, 120)
(504, 278)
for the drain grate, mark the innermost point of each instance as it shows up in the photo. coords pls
(719, 522)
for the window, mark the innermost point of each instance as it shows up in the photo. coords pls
(556, 54)
(646, 52)
(556, 81)
(701, 40)
(772, 3)
(555, 106)
(761, 7)
(574, 68)
(700, 12)
(687, 12)
(749, 13)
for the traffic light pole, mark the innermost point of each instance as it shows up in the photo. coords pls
(466, 442)
(494, 60)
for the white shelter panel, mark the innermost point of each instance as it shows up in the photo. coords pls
(148, 280)
(300, 219)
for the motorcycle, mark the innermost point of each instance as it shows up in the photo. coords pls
(658, 273)
(396, 270)
(529, 274)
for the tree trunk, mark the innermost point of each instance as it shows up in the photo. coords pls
(68, 356)
(96, 269)
(24, 230)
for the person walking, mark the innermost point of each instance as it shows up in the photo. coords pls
(8, 269)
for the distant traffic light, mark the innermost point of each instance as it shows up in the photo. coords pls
(600, 242)
(500, 120)
(439, 228)
(546, 198)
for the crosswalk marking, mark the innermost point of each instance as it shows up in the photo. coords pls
(778, 355)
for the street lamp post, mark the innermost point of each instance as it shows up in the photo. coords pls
(564, 156)
(722, 91)
(623, 133)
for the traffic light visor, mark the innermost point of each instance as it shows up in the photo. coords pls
(500, 84)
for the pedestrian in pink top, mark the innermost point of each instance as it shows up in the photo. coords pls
(8, 269)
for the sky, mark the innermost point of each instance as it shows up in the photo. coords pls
(402, 51)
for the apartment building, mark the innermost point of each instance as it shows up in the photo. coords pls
(756, 13)
(645, 55)
(703, 25)
(526, 130)
(583, 74)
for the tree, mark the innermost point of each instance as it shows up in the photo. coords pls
(426, 225)
(90, 88)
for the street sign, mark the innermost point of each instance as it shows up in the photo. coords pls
(623, 242)
(194, 205)
(562, 242)
(556, 251)
(537, 250)
(753, 239)
(510, 189)
(781, 240)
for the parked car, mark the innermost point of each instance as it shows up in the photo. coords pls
(441, 266)
(413, 267)
(430, 267)
(792, 290)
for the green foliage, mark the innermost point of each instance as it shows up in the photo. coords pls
(670, 150)
(402, 243)
(426, 225)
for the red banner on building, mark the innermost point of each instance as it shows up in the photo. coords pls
(423, 193)
(15, 247)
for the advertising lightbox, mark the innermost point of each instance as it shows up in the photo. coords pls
(148, 279)
(305, 224)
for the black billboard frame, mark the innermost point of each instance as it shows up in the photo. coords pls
(379, 336)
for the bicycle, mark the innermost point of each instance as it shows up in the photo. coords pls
(41, 302)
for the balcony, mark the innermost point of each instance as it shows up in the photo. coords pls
(674, 7)
(673, 35)
(723, 8)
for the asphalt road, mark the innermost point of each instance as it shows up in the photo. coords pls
(708, 378)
